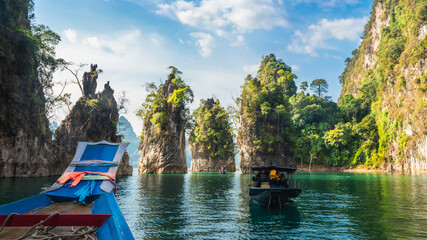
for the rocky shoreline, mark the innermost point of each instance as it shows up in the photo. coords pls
(360, 169)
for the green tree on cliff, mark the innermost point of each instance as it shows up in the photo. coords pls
(173, 93)
(212, 130)
(264, 104)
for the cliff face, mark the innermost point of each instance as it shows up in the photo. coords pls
(24, 133)
(163, 140)
(266, 132)
(202, 162)
(211, 140)
(92, 119)
(251, 155)
(389, 69)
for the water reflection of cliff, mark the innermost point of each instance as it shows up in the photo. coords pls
(367, 205)
(210, 205)
(160, 206)
(393, 205)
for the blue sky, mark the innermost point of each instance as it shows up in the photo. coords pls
(215, 43)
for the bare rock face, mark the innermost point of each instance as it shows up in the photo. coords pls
(201, 162)
(250, 156)
(89, 81)
(24, 134)
(92, 119)
(163, 150)
(165, 154)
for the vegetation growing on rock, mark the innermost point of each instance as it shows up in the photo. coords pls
(312, 116)
(266, 134)
(384, 82)
(212, 130)
(211, 138)
(174, 93)
(24, 132)
(93, 118)
(165, 114)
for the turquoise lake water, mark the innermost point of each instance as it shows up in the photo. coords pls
(214, 206)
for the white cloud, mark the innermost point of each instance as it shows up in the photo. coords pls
(251, 69)
(156, 39)
(225, 19)
(295, 68)
(221, 33)
(328, 3)
(204, 41)
(240, 40)
(70, 34)
(237, 15)
(317, 35)
(118, 44)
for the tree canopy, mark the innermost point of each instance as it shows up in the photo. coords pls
(212, 130)
(319, 86)
(173, 93)
(264, 103)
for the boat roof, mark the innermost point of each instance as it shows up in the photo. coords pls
(280, 169)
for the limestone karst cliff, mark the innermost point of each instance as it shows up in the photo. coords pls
(266, 132)
(125, 130)
(388, 73)
(165, 116)
(93, 118)
(25, 137)
(211, 139)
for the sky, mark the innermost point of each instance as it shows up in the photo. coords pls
(214, 43)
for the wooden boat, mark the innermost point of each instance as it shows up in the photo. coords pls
(80, 205)
(273, 186)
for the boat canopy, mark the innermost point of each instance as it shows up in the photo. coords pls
(269, 168)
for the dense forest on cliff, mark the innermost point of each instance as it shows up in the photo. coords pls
(26, 59)
(212, 130)
(264, 102)
(157, 108)
(313, 127)
(266, 131)
(384, 89)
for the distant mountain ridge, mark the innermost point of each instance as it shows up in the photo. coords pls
(125, 129)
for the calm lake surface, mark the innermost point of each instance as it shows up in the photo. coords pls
(214, 206)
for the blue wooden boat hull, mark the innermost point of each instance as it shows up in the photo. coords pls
(92, 159)
(114, 228)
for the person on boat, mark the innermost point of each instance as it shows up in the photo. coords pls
(274, 177)
(283, 181)
(263, 176)
(256, 180)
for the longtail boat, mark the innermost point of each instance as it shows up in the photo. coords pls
(273, 186)
(80, 205)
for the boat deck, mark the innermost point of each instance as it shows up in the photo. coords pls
(62, 208)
